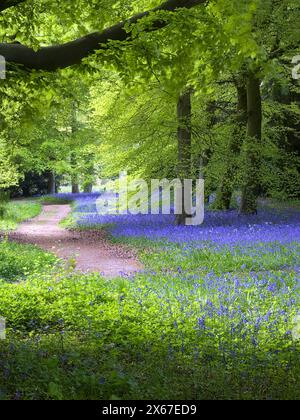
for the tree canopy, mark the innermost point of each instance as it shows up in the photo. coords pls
(117, 106)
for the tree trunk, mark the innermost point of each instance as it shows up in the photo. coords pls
(75, 186)
(251, 181)
(51, 183)
(51, 58)
(184, 136)
(225, 191)
(73, 159)
(206, 153)
(74, 176)
(88, 188)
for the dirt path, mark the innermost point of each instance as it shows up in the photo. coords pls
(91, 249)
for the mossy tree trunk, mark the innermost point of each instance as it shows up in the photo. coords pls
(226, 188)
(51, 189)
(88, 188)
(74, 176)
(73, 159)
(252, 150)
(184, 136)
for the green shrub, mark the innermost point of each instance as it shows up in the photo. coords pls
(18, 261)
(4, 198)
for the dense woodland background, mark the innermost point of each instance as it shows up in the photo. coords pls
(204, 91)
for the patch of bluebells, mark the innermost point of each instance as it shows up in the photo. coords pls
(255, 310)
(219, 227)
(83, 202)
(243, 321)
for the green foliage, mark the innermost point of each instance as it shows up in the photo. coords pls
(239, 260)
(31, 184)
(118, 110)
(4, 198)
(18, 211)
(281, 153)
(73, 336)
(52, 200)
(18, 261)
(70, 223)
(8, 171)
(83, 337)
(129, 125)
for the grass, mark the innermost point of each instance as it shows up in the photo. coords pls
(70, 223)
(237, 260)
(52, 200)
(15, 212)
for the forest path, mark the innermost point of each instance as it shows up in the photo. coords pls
(91, 250)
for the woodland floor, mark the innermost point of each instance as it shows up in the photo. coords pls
(91, 250)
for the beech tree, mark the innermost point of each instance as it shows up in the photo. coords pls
(186, 48)
(60, 56)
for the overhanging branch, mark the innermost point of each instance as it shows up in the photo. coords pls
(65, 55)
(6, 4)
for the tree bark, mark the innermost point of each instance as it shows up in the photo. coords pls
(206, 153)
(73, 158)
(184, 138)
(251, 179)
(74, 175)
(75, 186)
(6, 4)
(51, 183)
(61, 56)
(88, 188)
(225, 191)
